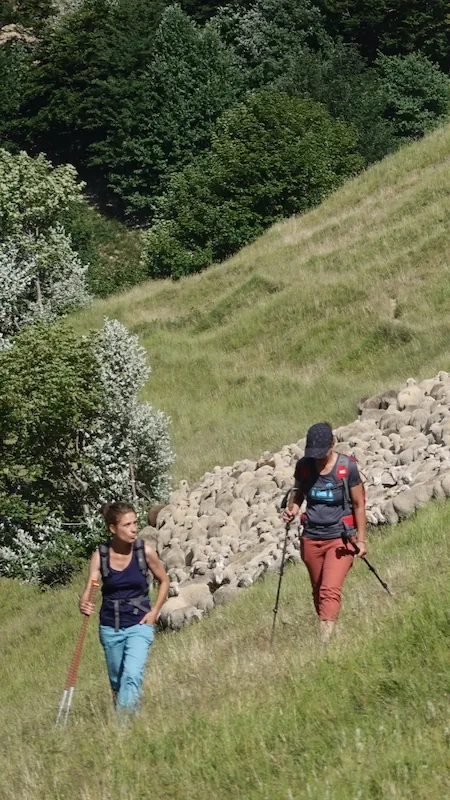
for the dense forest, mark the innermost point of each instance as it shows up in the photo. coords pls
(201, 123)
(141, 139)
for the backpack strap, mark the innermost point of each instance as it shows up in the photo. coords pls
(342, 470)
(139, 549)
(103, 549)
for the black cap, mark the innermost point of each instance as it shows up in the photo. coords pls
(318, 440)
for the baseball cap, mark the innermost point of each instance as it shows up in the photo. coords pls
(318, 440)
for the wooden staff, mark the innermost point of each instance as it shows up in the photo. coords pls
(69, 686)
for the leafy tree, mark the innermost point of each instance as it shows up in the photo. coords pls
(70, 424)
(31, 14)
(271, 157)
(33, 195)
(48, 395)
(203, 11)
(284, 43)
(395, 27)
(40, 273)
(128, 431)
(338, 77)
(15, 61)
(80, 78)
(416, 94)
(40, 277)
(170, 110)
(271, 35)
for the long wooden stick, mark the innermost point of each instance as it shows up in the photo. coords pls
(69, 686)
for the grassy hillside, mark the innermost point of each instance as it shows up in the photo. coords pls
(226, 716)
(349, 299)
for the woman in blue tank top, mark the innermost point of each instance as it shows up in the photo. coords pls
(126, 618)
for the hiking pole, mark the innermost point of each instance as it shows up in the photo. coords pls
(372, 569)
(66, 699)
(283, 505)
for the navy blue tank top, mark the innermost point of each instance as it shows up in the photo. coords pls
(123, 585)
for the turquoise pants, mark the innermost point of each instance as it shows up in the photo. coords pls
(126, 652)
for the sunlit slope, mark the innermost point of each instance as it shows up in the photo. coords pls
(344, 301)
(224, 715)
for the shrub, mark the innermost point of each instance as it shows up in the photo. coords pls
(111, 251)
(271, 157)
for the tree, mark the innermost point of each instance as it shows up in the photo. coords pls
(80, 78)
(338, 76)
(203, 11)
(32, 14)
(128, 432)
(34, 196)
(394, 27)
(40, 277)
(284, 44)
(271, 157)
(170, 111)
(70, 426)
(40, 273)
(271, 35)
(415, 92)
(15, 61)
(48, 395)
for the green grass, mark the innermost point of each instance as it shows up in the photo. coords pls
(345, 301)
(224, 715)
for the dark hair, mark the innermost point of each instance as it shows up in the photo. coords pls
(111, 512)
(152, 513)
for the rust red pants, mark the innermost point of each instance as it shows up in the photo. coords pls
(328, 561)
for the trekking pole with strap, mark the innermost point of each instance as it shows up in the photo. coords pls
(283, 505)
(346, 538)
(371, 567)
(66, 699)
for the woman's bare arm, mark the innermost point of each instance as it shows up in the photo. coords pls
(359, 511)
(297, 498)
(156, 566)
(93, 575)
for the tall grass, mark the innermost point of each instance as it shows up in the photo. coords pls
(225, 715)
(344, 301)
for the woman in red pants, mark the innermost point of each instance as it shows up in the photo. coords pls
(335, 512)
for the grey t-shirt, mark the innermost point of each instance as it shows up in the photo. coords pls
(324, 494)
